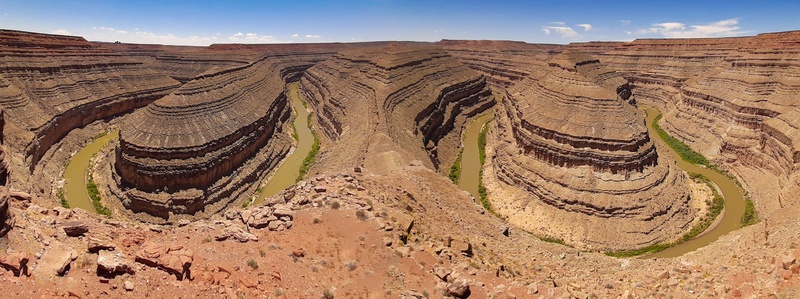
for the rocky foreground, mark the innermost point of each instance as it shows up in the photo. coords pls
(362, 235)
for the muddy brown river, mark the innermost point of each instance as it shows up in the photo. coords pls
(287, 172)
(470, 159)
(75, 173)
(734, 199)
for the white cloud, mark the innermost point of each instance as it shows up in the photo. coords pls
(312, 36)
(625, 22)
(61, 32)
(251, 38)
(586, 27)
(722, 28)
(295, 35)
(565, 32)
(558, 23)
(108, 34)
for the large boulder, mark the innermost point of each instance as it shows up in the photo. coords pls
(112, 264)
(17, 263)
(174, 259)
(75, 228)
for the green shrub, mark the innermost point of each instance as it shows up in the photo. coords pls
(312, 154)
(455, 169)
(94, 195)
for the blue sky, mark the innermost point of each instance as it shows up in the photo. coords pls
(205, 22)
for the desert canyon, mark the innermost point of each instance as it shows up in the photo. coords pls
(575, 189)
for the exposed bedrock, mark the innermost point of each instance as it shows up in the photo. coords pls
(5, 214)
(419, 97)
(733, 99)
(205, 141)
(573, 160)
(52, 84)
(502, 62)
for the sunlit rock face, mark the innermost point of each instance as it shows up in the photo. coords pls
(574, 157)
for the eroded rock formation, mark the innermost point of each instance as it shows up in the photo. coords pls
(186, 151)
(733, 99)
(413, 96)
(579, 163)
(50, 85)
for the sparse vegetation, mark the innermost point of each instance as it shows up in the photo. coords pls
(482, 157)
(94, 195)
(350, 265)
(361, 215)
(206, 240)
(327, 294)
(455, 169)
(312, 154)
(261, 252)
(62, 198)
(683, 150)
(335, 205)
(316, 220)
(750, 214)
(252, 263)
(715, 207)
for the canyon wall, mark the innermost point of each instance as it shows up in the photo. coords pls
(571, 159)
(413, 96)
(733, 99)
(52, 84)
(189, 149)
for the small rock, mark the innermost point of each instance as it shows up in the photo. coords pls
(320, 189)
(504, 231)
(283, 211)
(75, 228)
(96, 244)
(787, 262)
(248, 282)
(664, 275)
(459, 289)
(183, 222)
(299, 253)
(112, 264)
(441, 272)
(387, 241)
(128, 285)
(17, 263)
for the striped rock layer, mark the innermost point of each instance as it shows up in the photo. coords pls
(413, 96)
(205, 141)
(579, 158)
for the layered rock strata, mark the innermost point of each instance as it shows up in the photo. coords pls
(502, 62)
(416, 97)
(5, 214)
(52, 84)
(204, 142)
(572, 160)
(733, 99)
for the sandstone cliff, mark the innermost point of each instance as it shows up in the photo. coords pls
(408, 97)
(50, 85)
(186, 151)
(733, 99)
(572, 160)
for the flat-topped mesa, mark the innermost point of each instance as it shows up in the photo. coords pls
(51, 84)
(202, 143)
(502, 62)
(572, 160)
(417, 95)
